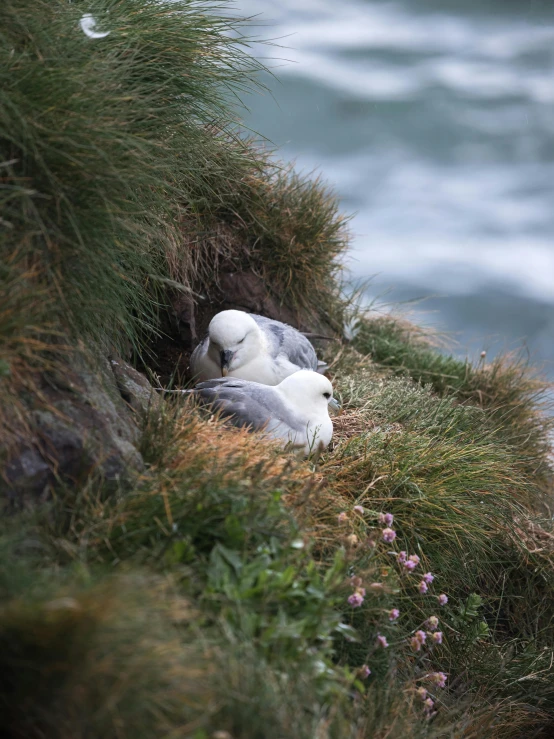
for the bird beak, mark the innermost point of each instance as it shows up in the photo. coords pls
(335, 405)
(225, 358)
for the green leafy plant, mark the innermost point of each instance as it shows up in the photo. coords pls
(468, 620)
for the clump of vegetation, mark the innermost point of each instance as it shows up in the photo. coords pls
(400, 587)
(296, 234)
(101, 141)
(297, 577)
(461, 495)
(115, 149)
(508, 388)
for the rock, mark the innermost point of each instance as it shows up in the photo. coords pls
(25, 471)
(82, 420)
(133, 386)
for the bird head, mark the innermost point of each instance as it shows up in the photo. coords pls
(235, 339)
(309, 391)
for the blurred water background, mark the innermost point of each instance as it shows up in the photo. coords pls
(434, 122)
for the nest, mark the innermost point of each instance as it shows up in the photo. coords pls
(352, 423)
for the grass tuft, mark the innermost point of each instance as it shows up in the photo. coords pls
(513, 395)
(105, 142)
(296, 235)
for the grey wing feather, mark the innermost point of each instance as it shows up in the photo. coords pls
(285, 339)
(248, 403)
(200, 350)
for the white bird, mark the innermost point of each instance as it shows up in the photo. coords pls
(88, 24)
(253, 348)
(295, 412)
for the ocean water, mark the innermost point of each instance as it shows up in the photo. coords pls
(434, 123)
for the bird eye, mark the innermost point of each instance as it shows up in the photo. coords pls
(327, 395)
(240, 342)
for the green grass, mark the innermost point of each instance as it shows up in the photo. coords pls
(209, 521)
(82, 659)
(249, 540)
(511, 392)
(107, 142)
(462, 498)
(122, 163)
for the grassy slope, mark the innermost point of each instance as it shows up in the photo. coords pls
(212, 596)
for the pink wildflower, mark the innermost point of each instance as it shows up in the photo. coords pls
(386, 518)
(382, 641)
(389, 535)
(428, 577)
(423, 587)
(421, 635)
(352, 540)
(443, 599)
(355, 581)
(402, 557)
(437, 637)
(432, 622)
(393, 615)
(412, 562)
(415, 643)
(342, 517)
(429, 704)
(438, 678)
(359, 509)
(422, 693)
(355, 600)
(364, 672)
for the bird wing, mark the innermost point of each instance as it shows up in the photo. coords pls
(251, 404)
(286, 340)
(198, 354)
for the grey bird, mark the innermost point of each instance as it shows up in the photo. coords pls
(254, 348)
(295, 412)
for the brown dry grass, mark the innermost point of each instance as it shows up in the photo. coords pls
(198, 436)
(201, 251)
(30, 342)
